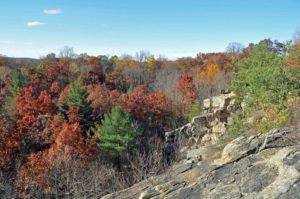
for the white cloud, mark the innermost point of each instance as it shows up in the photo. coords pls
(53, 12)
(35, 23)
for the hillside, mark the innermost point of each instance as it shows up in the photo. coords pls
(80, 126)
(17, 62)
(251, 166)
(160, 99)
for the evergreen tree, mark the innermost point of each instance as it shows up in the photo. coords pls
(17, 81)
(118, 133)
(78, 98)
(265, 83)
(262, 77)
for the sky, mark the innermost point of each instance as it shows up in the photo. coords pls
(172, 28)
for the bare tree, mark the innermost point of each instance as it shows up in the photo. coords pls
(142, 56)
(213, 88)
(7, 188)
(67, 52)
(167, 79)
(148, 163)
(235, 47)
(135, 76)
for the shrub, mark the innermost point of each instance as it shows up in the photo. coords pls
(271, 116)
(238, 125)
(194, 111)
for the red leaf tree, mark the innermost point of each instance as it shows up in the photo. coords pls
(187, 89)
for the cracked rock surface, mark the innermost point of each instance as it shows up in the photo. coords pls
(255, 167)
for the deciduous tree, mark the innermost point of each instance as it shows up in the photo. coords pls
(187, 88)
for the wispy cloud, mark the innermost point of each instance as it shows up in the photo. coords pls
(35, 23)
(53, 12)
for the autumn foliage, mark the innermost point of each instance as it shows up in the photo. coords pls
(9, 145)
(69, 144)
(209, 75)
(30, 107)
(153, 107)
(58, 104)
(187, 89)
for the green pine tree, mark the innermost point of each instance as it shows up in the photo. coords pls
(78, 98)
(17, 81)
(265, 83)
(262, 77)
(118, 133)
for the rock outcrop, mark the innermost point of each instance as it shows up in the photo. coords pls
(208, 127)
(262, 166)
(265, 166)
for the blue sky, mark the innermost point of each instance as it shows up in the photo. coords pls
(173, 28)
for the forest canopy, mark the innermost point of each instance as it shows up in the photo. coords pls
(99, 116)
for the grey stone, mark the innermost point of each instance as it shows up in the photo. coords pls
(265, 166)
(209, 126)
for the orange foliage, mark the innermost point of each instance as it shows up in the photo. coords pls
(70, 142)
(62, 95)
(9, 145)
(151, 108)
(56, 70)
(223, 60)
(187, 88)
(74, 115)
(160, 106)
(142, 106)
(69, 145)
(114, 75)
(102, 100)
(29, 107)
(123, 63)
(293, 59)
(136, 103)
(55, 88)
(209, 75)
(187, 63)
(33, 174)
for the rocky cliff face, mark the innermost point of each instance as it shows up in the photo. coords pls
(208, 127)
(258, 166)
